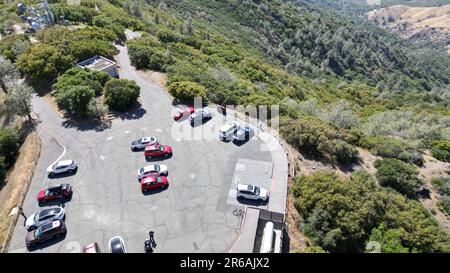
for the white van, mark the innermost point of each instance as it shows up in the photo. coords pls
(227, 131)
(267, 239)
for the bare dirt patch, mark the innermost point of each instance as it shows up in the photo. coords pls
(155, 77)
(17, 181)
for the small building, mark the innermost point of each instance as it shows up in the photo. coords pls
(100, 63)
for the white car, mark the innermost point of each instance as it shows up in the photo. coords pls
(155, 169)
(142, 142)
(227, 131)
(43, 217)
(116, 245)
(252, 192)
(62, 167)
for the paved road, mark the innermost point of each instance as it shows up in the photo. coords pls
(190, 216)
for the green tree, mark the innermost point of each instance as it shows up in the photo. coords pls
(43, 63)
(76, 100)
(18, 100)
(121, 94)
(389, 240)
(398, 175)
(186, 90)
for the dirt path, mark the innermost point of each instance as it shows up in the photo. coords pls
(18, 180)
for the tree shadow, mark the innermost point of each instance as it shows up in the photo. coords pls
(98, 125)
(253, 203)
(135, 112)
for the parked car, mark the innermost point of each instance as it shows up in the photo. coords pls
(45, 232)
(227, 131)
(116, 245)
(183, 111)
(252, 192)
(199, 116)
(62, 167)
(157, 150)
(91, 248)
(153, 183)
(140, 144)
(53, 193)
(152, 170)
(43, 217)
(243, 134)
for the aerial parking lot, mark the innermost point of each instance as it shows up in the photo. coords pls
(192, 214)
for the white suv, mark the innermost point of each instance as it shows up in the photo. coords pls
(227, 131)
(155, 169)
(252, 192)
(62, 167)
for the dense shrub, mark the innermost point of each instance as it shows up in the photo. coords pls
(146, 53)
(441, 150)
(13, 45)
(398, 175)
(85, 49)
(43, 62)
(10, 142)
(74, 13)
(315, 137)
(391, 147)
(441, 184)
(186, 90)
(444, 204)
(77, 76)
(341, 214)
(121, 94)
(75, 100)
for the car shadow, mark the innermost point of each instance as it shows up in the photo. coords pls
(155, 191)
(249, 202)
(47, 243)
(153, 159)
(61, 203)
(198, 124)
(63, 175)
(240, 142)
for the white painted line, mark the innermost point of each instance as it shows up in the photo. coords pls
(102, 157)
(109, 138)
(192, 176)
(144, 128)
(127, 131)
(159, 130)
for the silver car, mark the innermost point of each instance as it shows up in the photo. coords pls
(199, 116)
(43, 217)
(251, 192)
(62, 166)
(140, 144)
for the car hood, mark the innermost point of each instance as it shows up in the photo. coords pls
(134, 142)
(162, 168)
(30, 220)
(50, 168)
(41, 194)
(263, 193)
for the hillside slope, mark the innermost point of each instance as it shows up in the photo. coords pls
(428, 26)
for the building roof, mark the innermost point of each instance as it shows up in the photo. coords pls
(97, 63)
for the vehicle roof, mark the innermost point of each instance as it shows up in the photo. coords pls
(228, 125)
(147, 138)
(116, 244)
(64, 162)
(90, 248)
(149, 168)
(152, 147)
(245, 187)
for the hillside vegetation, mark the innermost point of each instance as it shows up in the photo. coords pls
(340, 83)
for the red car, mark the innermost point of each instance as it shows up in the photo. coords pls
(183, 111)
(59, 192)
(91, 248)
(157, 150)
(153, 183)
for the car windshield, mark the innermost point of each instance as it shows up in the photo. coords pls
(157, 168)
(256, 190)
(116, 246)
(161, 148)
(36, 218)
(47, 192)
(158, 179)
